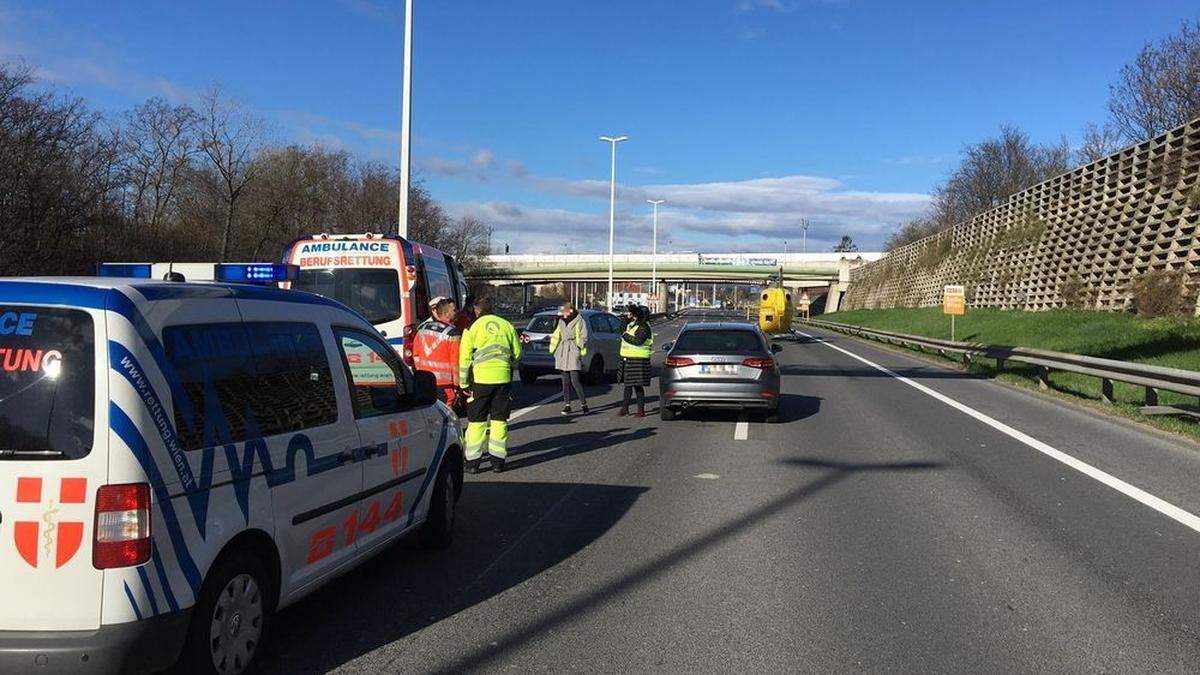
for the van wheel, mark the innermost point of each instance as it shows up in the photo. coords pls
(527, 376)
(231, 617)
(438, 530)
(595, 372)
(665, 413)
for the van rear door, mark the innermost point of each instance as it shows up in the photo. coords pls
(53, 456)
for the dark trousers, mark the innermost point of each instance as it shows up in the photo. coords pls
(570, 378)
(489, 401)
(641, 397)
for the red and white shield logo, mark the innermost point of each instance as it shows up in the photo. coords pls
(51, 536)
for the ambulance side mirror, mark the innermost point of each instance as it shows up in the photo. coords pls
(425, 389)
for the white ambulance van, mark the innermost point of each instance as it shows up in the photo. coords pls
(180, 460)
(388, 279)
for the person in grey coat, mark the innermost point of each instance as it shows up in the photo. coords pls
(569, 343)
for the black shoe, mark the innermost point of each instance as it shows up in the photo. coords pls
(566, 410)
(473, 465)
(583, 410)
(622, 412)
(497, 465)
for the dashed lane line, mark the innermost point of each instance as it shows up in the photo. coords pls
(1164, 507)
(741, 430)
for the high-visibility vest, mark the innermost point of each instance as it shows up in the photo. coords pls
(632, 351)
(435, 349)
(556, 336)
(488, 351)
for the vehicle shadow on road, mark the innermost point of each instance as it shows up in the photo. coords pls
(822, 473)
(792, 408)
(407, 588)
(564, 445)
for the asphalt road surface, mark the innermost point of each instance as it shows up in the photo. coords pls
(956, 525)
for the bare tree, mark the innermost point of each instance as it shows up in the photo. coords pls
(1161, 88)
(230, 136)
(468, 240)
(158, 143)
(993, 169)
(913, 230)
(1099, 141)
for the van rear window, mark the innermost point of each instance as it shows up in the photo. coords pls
(47, 383)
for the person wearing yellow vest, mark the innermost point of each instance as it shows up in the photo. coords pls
(637, 343)
(486, 355)
(569, 344)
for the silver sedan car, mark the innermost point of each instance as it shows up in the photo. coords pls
(719, 365)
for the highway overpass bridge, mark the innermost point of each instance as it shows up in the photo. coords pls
(799, 270)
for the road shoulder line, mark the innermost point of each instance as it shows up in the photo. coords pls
(1164, 507)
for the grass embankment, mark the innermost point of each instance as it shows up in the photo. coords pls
(1174, 343)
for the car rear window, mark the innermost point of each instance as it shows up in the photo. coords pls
(47, 383)
(542, 324)
(731, 341)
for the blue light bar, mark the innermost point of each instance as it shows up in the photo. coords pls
(128, 270)
(255, 273)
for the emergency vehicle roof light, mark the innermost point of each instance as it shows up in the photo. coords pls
(127, 270)
(255, 273)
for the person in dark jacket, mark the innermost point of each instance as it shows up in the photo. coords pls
(637, 343)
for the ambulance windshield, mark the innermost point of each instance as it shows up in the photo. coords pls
(372, 292)
(47, 383)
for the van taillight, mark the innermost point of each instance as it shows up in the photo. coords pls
(410, 334)
(122, 532)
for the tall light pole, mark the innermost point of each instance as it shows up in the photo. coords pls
(654, 252)
(804, 231)
(406, 123)
(612, 210)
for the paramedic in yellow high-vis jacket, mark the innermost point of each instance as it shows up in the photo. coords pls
(486, 356)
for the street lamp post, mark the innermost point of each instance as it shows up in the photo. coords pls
(654, 253)
(406, 123)
(804, 231)
(612, 210)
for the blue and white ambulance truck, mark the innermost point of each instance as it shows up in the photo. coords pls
(180, 460)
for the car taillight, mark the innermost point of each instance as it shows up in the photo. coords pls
(677, 361)
(122, 532)
(759, 362)
(524, 338)
(410, 334)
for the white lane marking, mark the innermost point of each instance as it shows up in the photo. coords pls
(741, 430)
(530, 408)
(706, 476)
(1133, 492)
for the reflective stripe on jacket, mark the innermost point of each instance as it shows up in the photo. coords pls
(488, 350)
(632, 351)
(435, 349)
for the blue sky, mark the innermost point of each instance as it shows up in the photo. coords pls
(745, 115)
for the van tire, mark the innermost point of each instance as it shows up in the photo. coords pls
(666, 414)
(241, 580)
(438, 531)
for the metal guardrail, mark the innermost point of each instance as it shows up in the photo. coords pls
(1153, 378)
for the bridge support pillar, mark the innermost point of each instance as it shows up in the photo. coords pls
(834, 298)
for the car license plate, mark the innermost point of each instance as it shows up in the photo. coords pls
(718, 369)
